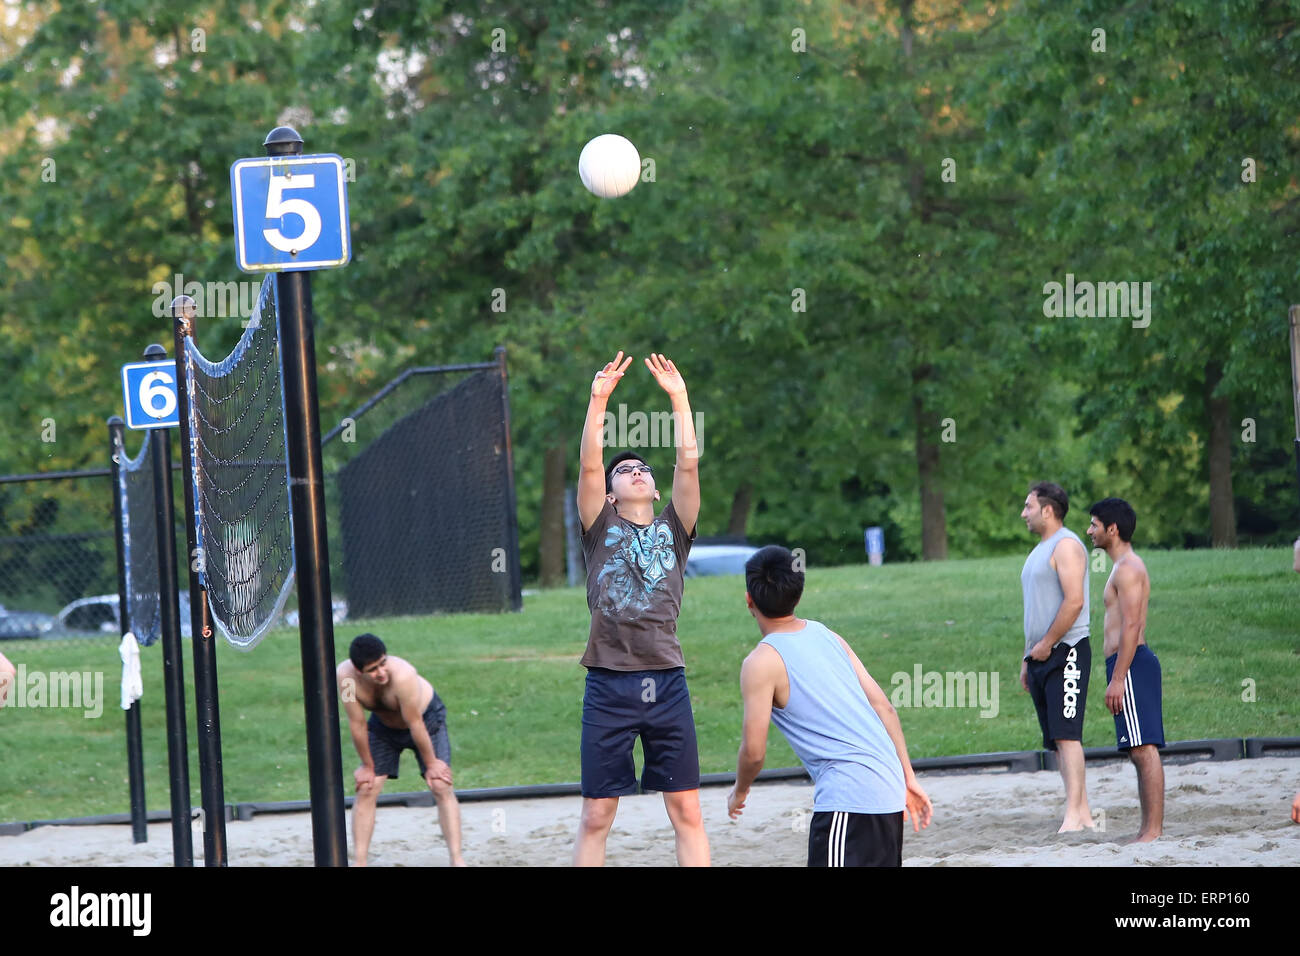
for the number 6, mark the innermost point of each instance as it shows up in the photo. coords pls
(277, 206)
(157, 400)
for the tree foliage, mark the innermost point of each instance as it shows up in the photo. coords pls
(842, 237)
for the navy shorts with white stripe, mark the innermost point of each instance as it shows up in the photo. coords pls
(1139, 720)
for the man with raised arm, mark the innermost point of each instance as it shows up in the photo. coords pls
(1057, 656)
(1132, 670)
(406, 714)
(846, 733)
(636, 682)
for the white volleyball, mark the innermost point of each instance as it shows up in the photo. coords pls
(609, 166)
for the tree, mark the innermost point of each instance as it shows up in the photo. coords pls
(1160, 150)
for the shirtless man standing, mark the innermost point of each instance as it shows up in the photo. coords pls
(406, 713)
(1133, 672)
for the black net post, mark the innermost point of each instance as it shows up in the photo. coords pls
(178, 759)
(134, 745)
(508, 466)
(207, 709)
(311, 549)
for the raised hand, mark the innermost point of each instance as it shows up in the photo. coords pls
(603, 384)
(666, 374)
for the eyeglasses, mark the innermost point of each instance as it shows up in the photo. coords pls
(629, 469)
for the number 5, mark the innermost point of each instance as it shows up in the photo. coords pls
(277, 206)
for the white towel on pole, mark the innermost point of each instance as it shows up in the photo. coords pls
(132, 685)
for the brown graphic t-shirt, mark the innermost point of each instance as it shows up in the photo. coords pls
(634, 590)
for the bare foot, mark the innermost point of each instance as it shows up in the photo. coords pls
(1145, 838)
(459, 861)
(1074, 826)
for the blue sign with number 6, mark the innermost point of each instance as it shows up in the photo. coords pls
(291, 213)
(149, 395)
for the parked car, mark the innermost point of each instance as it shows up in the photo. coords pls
(20, 625)
(708, 559)
(92, 616)
(339, 609)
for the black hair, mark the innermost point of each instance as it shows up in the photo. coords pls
(772, 581)
(614, 463)
(1053, 495)
(1117, 512)
(366, 649)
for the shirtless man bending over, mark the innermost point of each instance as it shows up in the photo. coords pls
(406, 713)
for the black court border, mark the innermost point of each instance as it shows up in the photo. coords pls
(1012, 761)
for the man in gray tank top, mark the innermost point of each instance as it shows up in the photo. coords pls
(1057, 656)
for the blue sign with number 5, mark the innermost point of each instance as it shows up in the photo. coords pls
(291, 213)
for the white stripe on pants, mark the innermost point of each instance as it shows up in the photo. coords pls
(1131, 713)
(836, 838)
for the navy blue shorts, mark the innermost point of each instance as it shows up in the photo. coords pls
(1139, 720)
(387, 744)
(620, 706)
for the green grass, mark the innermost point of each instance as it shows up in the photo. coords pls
(513, 686)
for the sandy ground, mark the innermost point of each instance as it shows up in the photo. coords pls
(1217, 814)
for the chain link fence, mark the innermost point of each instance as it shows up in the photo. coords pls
(420, 508)
(420, 497)
(58, 558)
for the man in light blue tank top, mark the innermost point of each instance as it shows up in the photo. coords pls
(838, 722)
(1057, 656)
